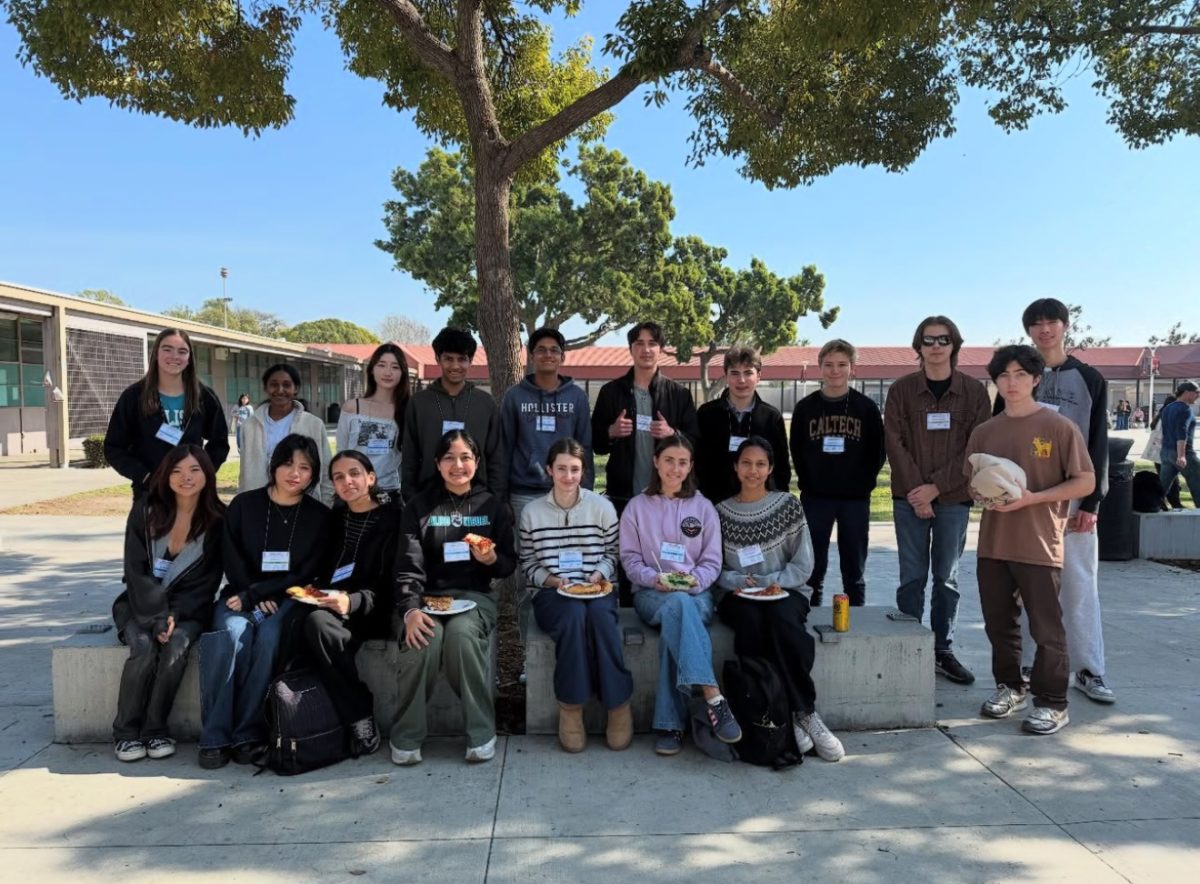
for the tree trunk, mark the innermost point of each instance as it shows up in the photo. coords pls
(499, 325)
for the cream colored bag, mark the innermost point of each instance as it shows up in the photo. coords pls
(996, 480)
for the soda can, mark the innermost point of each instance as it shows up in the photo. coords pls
(841, 613)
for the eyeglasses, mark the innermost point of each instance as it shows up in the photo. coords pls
(930, 340)
(547, 351)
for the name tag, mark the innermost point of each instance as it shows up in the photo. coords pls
(643, 423)
(546, 423)
(276, 560)
(833, 444)
(342, 573)
(750, 555)
(673, 552)
(447, 426)
(169, 434)
(378, 446)
(570, 560)
(161, 567)
(456, 551)
(1049, 406)
(937, 420)
(735, 442)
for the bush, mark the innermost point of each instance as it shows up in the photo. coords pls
(93, 450)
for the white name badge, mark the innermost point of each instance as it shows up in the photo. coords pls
(673, 552)
(276, 560)
(161, 567)
(546, 423)
(378, 446)
(937, 420)
(570, 560)
(447, 426)
(456, 551)
(735, 442)
(643, 423)
(342, 573)
(833, 444)
(1049, 406)
(750, 555)
(169, 434)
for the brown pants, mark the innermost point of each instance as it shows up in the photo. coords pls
(1000, 583)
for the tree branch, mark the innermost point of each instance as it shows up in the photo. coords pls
(737, 90)
(429, 48)
(594, 335)
(472, 84)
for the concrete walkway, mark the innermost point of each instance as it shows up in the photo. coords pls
(1115, 796)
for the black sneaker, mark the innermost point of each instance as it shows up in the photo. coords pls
(244, 754)
(814, 600)
(724, 725)
(211, 759)
(366, 736)
(947, 664)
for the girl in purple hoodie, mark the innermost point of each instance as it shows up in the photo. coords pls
(671, 551)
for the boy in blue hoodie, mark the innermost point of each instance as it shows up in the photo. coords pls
(536, 413)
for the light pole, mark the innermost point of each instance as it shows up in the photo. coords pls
(224, 300)
(1153, 367)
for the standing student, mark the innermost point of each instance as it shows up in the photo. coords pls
(168, 406)
(543, 409)
(1153, 453)
(765, 542)
(435, 559)
(929, 417)
(726, 422)
(672, 529)
(1022, 543)
(571, 536)
(280, 416)
(837, 451)
(273, 540)
(1178, 455)
(371, 423)
(241, 414)
(452, 403)
(635, 412)
(172, 571)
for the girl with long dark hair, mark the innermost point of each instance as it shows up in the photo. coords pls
(372, 423)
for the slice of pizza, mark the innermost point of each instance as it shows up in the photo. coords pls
(438, 602)
(305, 592)
(478, 542)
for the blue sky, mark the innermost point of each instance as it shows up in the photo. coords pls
(95, 197)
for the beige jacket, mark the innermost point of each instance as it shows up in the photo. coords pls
(253, 472)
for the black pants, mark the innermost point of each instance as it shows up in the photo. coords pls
(624, 587)
(776, 631)
(151, 679)
(329, 647)
(853, 519)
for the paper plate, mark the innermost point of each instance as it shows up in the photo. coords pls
(456, 607)
(328, 593)
(755, 595)
(595, 595)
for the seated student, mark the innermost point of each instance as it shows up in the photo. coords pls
(359, 562)
(766, 543)
(172, 571)
(570, 536)
(435, 559)
(273, 540)
(671, 533)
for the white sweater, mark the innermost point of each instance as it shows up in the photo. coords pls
(253, 472)
(590, 527)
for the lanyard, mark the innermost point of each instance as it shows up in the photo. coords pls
(267, 530)
(363, 533)
(454, 405)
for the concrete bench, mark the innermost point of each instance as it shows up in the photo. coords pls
(87, 677)
(1167, 535)
(878, 675)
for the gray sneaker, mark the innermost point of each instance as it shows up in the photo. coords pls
(669, 743)
(724, 725)
(1045, 721)
(1004, 702)
(1093, 686)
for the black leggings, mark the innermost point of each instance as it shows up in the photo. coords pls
(776, 631)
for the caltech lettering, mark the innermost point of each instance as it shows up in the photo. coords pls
(835, 425)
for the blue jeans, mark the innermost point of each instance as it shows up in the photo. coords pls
(588, 655)
(1191, 474)
(939, 540)
(237, 663)
(684, 650)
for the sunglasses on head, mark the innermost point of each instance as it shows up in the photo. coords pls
(930, 340)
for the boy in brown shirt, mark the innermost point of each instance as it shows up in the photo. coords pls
(1021, 543)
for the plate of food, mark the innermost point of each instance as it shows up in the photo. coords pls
(772, 593)
(310, 595)
(479, 543)
(586, 590)
(445, 606)
(677, 580)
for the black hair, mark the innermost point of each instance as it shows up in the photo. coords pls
(1045, 309)
(288, 446)
(363, 461)
(653, 327)
(1186, 387)
(759, 442)
(1025, 356)
(454, 340)
(289, 370)
(449, 438)
(547, 332)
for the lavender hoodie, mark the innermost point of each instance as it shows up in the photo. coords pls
(650, 520)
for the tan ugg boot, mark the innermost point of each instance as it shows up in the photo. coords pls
(620, 728)
(571, 733)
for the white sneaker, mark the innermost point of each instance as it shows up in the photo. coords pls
(1004, 702)
(160, 747)
(405, 757)
(1093, 686)
(803, 741)
(129, 750)
(1045, 721)
(828, 746)
(486, 752)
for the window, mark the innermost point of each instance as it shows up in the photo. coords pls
(22, 362)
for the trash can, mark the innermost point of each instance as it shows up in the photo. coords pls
(333, 413)
(1116, 524)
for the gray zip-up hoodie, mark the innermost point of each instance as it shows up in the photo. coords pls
(533, 419)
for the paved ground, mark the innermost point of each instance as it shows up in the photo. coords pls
(1115, 796)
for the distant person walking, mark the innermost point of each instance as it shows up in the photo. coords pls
(1178, 445)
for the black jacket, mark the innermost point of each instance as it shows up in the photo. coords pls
(428, 522)
(673, 400)
(714, 460)
(248, 531)
(370, 584)
(145, 600)
(850, 474)
(134, 450)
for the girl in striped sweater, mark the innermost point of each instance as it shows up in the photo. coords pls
(570, 536)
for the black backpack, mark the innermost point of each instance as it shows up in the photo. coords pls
(304, 731)
(759, 702)
(1147, 493)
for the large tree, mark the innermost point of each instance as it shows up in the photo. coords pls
(216, 312)
(329, 331)
(103, 296)
(403, 330)
(594, 260)
(791, 89)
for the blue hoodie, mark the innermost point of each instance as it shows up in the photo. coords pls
(561, 413)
